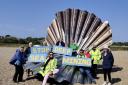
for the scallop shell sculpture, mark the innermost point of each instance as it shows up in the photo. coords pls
(86, 29)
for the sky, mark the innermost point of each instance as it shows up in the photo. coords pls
(24, 18)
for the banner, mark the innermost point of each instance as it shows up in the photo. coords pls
(76, 61)
(40, 49)
(62, 50)
(37, 57)
(39, 54)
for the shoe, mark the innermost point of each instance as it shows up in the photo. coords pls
(94, 82)
(105, 83)
(109, 83)
(14, 81)
(21, 81)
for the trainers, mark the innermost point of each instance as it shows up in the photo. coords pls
(109, 83)
(105, 83)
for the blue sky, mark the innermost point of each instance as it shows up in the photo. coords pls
(23, 18)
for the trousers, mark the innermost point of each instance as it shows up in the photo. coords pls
(47, 76)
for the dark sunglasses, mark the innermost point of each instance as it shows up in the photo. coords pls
(50, 53)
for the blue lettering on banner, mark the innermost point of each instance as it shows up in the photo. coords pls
(62, 50)
(39, 54)
(40, 49)
(37, 57)
(76, 61)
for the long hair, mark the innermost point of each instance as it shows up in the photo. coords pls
(48, 60)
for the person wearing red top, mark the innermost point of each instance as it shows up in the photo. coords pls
(88, 69)
(87, 54)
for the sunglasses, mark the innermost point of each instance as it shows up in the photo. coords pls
(51, 54)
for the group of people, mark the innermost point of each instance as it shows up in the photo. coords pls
(18, 60)
(96, 55)
(50, 66)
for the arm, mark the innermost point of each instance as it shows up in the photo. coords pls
(99, 54)
(21, 58)
(62, 43)
(18, 60)
(13, 59)
(112, 59)
(54, 65)
(91, 55)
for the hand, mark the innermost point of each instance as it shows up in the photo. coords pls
(17, 62)
(51, 73)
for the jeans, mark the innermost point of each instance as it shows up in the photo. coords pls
(47, 76)
(86, 71)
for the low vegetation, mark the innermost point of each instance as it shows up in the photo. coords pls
(10, 41)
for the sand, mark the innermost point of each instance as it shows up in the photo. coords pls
(119, 72)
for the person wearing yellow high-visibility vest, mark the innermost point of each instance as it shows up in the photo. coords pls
(96, 57)
(49, 68)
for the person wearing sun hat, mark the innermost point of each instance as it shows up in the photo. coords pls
(107, 64)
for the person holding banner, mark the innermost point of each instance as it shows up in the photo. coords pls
(74, 47)
(85, 70)
(87, 54)
(96, 57)
(49, 68)
(28, 52)
(28, 49)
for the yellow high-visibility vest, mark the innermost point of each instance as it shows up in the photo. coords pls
(95, 56)
(52, 65)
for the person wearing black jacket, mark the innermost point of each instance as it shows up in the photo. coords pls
(108, 61)
(60, 43)
(28, 52)
(28, 49)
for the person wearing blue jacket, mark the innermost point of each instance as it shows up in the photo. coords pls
(108, 61)
(18, 60)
